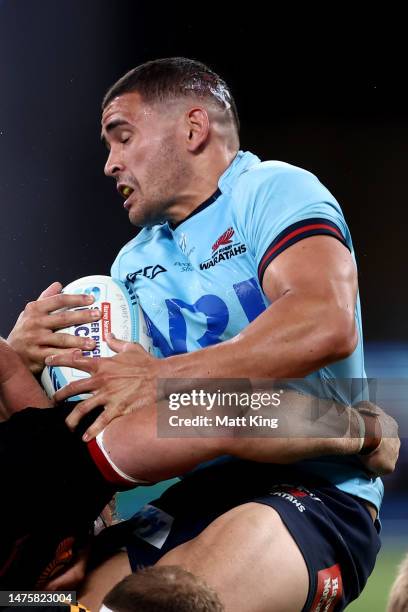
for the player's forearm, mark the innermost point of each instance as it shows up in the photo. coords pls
(306, 429)
(289, 450)
(18, 387)
(134, 445)
(22, 391)
(3, 411)
(294, 337)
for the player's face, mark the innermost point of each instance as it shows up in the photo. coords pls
(146, 157)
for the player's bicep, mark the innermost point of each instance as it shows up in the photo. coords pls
(317, 266)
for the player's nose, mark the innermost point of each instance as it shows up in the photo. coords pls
(113, 165)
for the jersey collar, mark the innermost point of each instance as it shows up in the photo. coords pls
(241, 162)
(207, 202)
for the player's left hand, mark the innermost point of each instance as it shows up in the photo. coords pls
(121, 384)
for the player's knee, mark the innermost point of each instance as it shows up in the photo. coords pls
(162, 588)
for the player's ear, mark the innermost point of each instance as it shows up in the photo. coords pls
(197, 127)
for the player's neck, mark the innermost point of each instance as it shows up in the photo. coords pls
(203, 183)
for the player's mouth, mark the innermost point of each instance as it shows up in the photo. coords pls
(125, 191)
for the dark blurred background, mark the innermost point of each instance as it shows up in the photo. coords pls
(324, 91)
(332, 101)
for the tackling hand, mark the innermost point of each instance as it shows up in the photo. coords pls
(34, 337)
(121, 384)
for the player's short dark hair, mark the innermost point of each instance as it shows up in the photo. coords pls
(162, 588)
(175, 77)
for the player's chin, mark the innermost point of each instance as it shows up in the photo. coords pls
(134, 210)
(135, 217)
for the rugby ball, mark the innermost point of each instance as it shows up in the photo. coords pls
(121, 314)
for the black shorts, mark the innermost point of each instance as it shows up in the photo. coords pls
(333, 530)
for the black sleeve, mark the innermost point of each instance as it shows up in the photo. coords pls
(51, 493)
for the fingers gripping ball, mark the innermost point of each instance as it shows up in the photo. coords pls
(122, 315)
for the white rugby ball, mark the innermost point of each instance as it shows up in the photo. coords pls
(121, 315)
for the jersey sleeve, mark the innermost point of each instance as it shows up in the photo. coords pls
(287, 205)
(114, 271)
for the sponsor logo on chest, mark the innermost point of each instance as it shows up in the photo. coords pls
(149, 272)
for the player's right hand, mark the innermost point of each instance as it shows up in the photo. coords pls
(33, 335)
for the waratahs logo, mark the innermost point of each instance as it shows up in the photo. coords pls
(223, 249)
(224, 239)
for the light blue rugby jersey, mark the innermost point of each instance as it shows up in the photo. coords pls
(199, 283)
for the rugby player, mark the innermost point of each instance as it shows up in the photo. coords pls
(243, 269)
